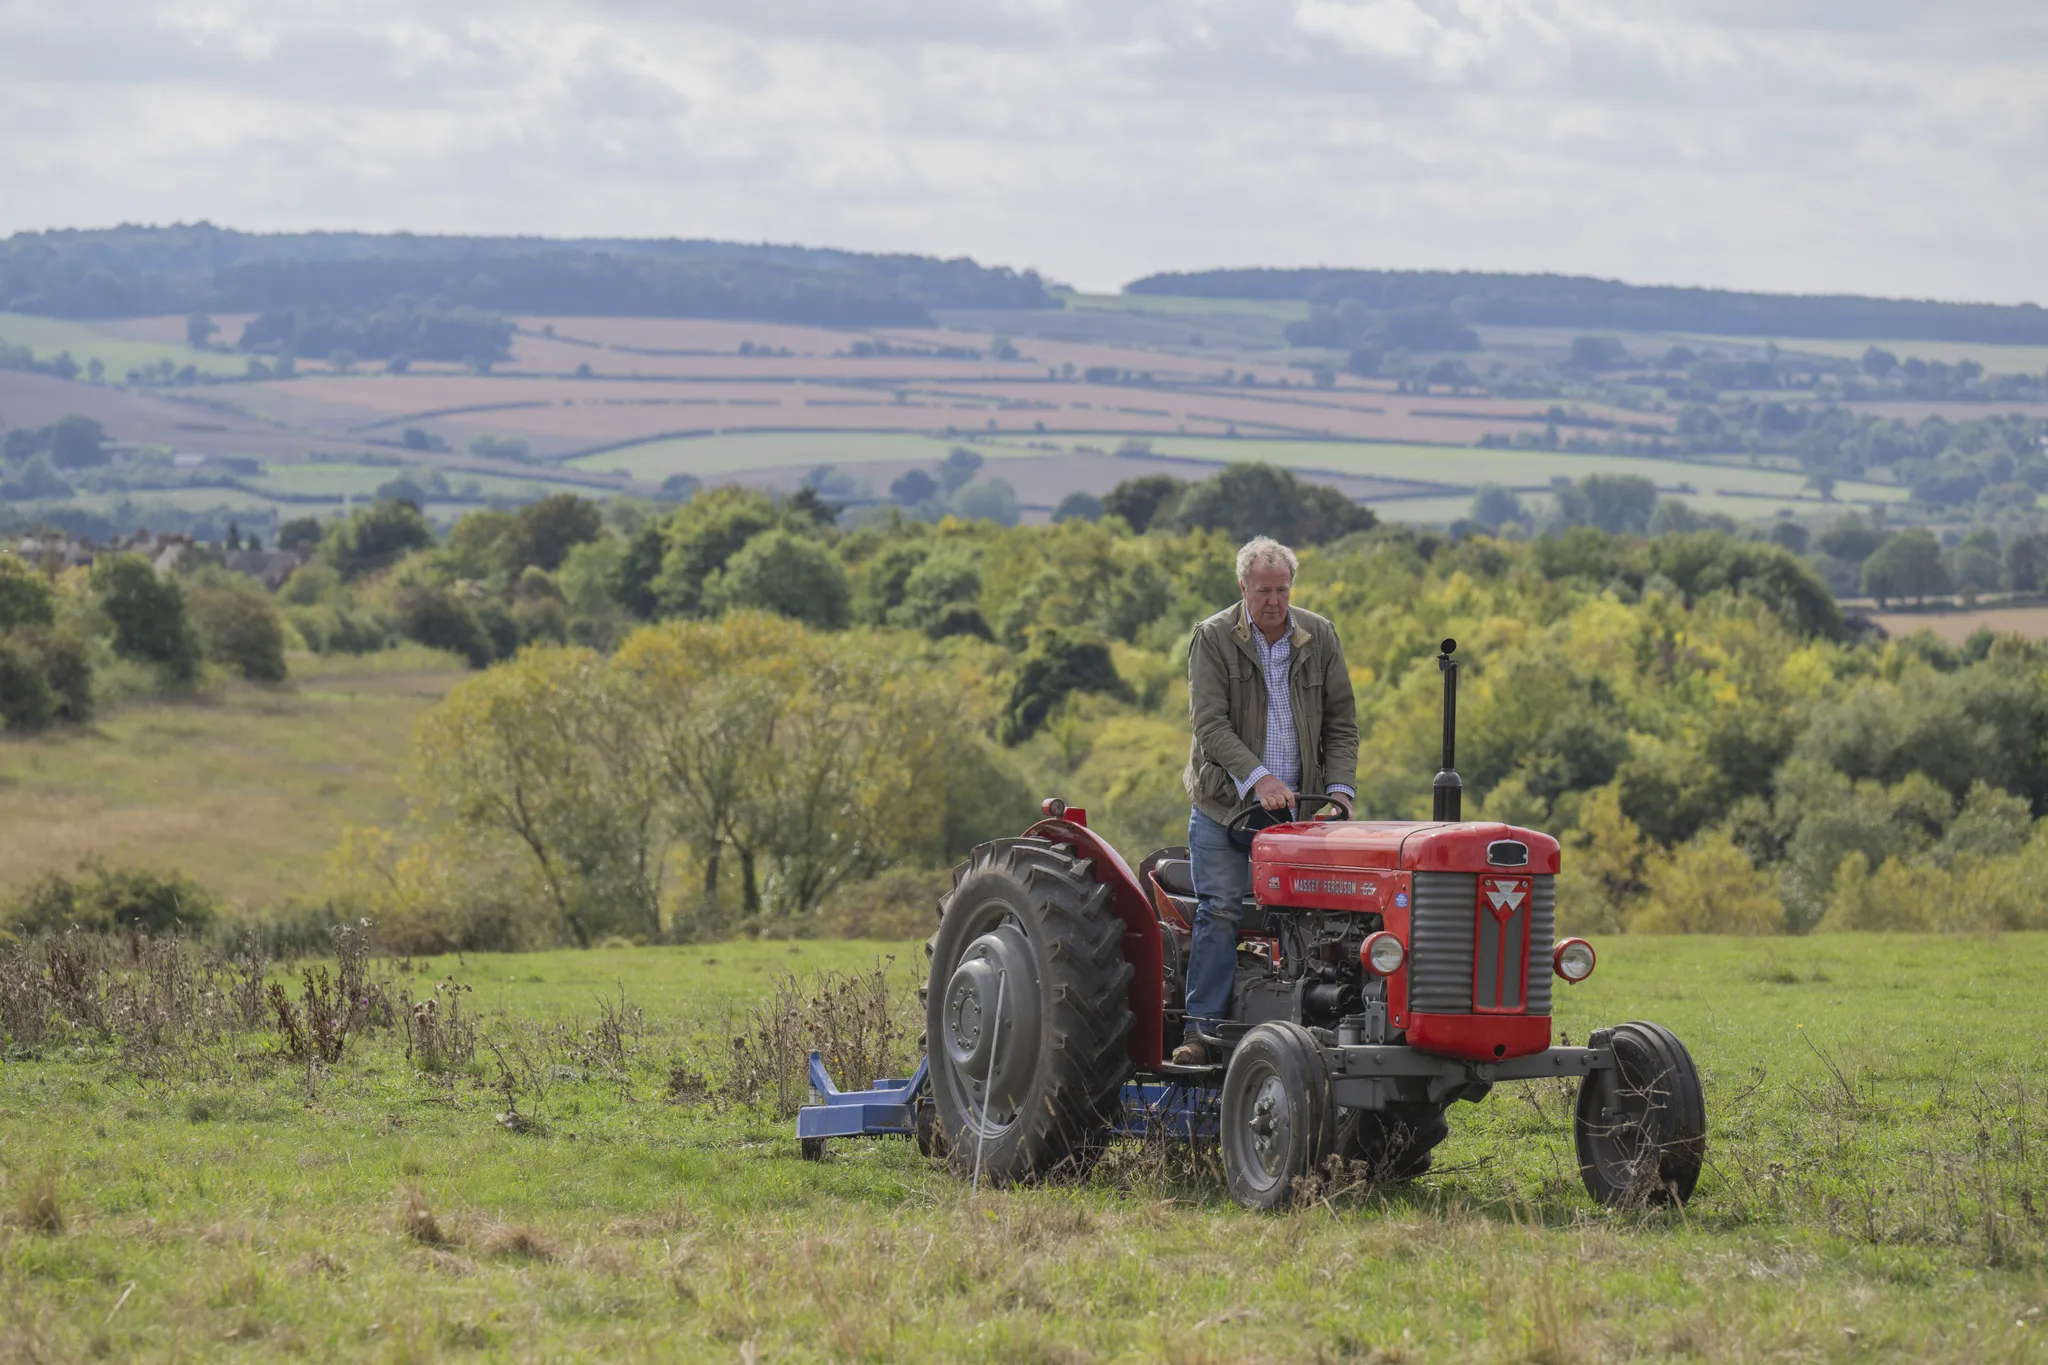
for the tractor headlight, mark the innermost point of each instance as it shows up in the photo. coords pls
(1382, 954)
(1573, 959)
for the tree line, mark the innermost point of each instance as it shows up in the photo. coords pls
(201, 269)
(735, 713)
(1584, 302)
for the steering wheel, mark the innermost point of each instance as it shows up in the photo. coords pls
(1241, 829)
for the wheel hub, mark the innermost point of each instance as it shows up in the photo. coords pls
(991, 1020)
(1270, 1125)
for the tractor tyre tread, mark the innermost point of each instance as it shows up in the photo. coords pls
(1296, 1058)
(1085, 1009)
(1651, 1055)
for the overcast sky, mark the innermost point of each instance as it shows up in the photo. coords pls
(1872, 146)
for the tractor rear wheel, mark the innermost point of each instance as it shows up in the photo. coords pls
(1641, 1129)
(1396, 1143)
(1277, 1121)
(1027, 1013)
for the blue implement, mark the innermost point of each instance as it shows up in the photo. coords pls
(887, 1109)
(884, 1108)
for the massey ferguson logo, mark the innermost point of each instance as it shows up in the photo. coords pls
(1504, 895)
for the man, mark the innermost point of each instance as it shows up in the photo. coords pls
(1269, 698)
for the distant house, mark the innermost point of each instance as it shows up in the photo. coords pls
(54, 550)
(273, 567)
(165, 551)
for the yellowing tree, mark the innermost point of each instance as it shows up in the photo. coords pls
(1708, 886)
(541, 750)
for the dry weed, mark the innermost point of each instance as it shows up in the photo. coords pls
(38, 1205)
(858, 1024)
(513, 1242)
(416, 1218)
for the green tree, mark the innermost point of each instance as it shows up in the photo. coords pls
(784, 573)
(439, 617)
(27, 701)
(1078, 506)
(1907, 565)
(300, 533)
(958, 468)
(199, 331)
(1619, 504)
(478, 545)
(26, 597)
(543, 752)
(1598, 353)
(938, 594)
(1975, 565)
(238, 625)
(544, 532)
(914, 487)
(78, 442)
(1850, 539)
(148, 615)
(375, 538)
(1059, 666)
(2026, 562)
(990, 500)
(697, 541)
(1254, 499)
(1493, 507)
(1145, 499)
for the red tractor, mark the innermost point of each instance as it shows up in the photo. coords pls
(1385, 970)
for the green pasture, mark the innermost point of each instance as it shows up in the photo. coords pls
(246, 789)
(1173, 305)
(1717, 485)
(324, 479)
(738, 453)
(1874, 1191)
(50, 337)
(1472, 466)
(234, 500)
(1995, 358)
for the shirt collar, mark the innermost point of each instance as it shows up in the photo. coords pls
(1258, 636)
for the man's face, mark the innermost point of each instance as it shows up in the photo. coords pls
(1266, 591)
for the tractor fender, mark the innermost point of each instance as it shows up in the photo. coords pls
(1142, 944)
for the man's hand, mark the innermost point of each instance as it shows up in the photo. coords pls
(1340, 809)
(1273, 793)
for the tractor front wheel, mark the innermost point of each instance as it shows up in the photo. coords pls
(1027, 1013)
(1641, 1128)
(1277, 1120)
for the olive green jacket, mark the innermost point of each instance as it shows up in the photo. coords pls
(1227, 709)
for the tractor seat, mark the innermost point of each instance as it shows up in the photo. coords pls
(1176, 875)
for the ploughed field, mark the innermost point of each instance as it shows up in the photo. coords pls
(621, 405)
(584, 1180)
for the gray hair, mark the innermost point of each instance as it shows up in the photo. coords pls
(1264, 550)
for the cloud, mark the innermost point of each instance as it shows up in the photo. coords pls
(1875, 146)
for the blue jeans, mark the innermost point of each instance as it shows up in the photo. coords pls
(1222, 871)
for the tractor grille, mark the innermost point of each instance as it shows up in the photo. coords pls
(1441, 933)
(1443, 930)
(1542, 926)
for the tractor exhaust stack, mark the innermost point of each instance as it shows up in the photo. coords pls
(1449, 788)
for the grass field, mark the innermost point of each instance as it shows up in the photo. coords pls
(246, 792)
(49, 337)
(1875, 1193)
(710, 456)
(1996, 359)
(1954, 627)
(1717, 486)
(1174, 305)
